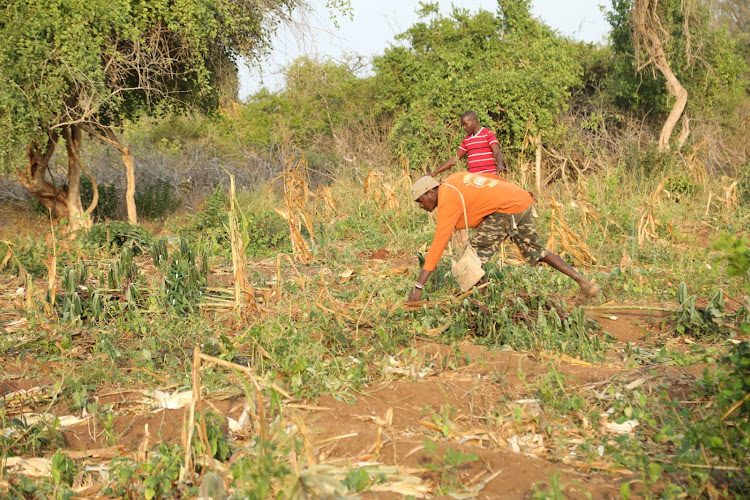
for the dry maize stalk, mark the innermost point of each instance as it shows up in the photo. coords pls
(566, 238)
(296, 193)
(244, 293)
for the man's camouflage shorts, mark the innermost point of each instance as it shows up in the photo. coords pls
(495, 228)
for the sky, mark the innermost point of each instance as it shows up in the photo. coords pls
(375, 23)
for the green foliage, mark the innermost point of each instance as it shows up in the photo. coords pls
(357, 479)
(113, 60)
(113, 236)
(31, 257)
(156, 478)
(555, 489)
(319, 99)
(725, 432)
(211, 221)
(156, 200)
(255, 474)
(448, 466)
(699, 322)
(184, 279)
(736, 254)
(267, 234)
(19, 438)
(217, 446)
(63, 469)
(513, 71)
(709, 71)
(514, 311)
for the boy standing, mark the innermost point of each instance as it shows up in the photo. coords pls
(480, 145)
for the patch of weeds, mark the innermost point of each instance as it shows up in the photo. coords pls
(210, 439)
(555, 489)
(267, 234)
(699, 322)
(211, 221)
(260, 471)
(113, 236)
(552, 392)
(514, 309)
(443, 419)
(154, 478)
(63, 469)
(721, 437)
(18, 438)
(447, 466)
(157, 200)
(30, 258)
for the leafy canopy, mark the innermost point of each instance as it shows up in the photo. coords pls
(62, 62)
(512, 70)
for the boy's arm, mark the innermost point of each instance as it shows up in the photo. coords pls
(449, 163)
(498, 158)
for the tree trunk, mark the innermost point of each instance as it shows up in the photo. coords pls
(127, 159)
(33, 177)
(677, 90)
(110, 138)
(649, 35)
(77, 217)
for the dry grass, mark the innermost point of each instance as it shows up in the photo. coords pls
(296, 194)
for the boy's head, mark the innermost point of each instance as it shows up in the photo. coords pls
(470, 122)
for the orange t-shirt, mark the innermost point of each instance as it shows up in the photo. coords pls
(484, 194)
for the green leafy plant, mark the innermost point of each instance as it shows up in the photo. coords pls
(699, 322)
(157, 200)
(112, 236)
(214, 443)
(184, 279)
(20, 438)
(448, 466)
(63, 469)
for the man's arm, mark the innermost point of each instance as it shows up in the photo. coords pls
(498, 158)
(416, 292)
(449, 163)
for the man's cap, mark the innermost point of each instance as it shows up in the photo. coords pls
(422, 185)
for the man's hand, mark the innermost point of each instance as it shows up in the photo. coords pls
(415, 294)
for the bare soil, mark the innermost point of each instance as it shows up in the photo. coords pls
(390, 421)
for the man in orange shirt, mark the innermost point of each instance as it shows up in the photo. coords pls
(498, 209)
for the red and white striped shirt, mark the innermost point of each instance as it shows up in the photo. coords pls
(481, 159)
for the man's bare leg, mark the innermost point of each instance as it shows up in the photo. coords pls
(588, 288)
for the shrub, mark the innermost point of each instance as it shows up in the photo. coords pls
(267, 233)
(157, 200)
(211, 220)
(106, 207)
(114, 235)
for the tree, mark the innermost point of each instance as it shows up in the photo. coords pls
(650, 40)
(513, 71)
(666, 50)
(65, 69)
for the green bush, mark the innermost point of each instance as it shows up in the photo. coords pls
(114, 235)
(157, 200)
(724, 433)
(211, 220)
(106, 207)
(267, 234)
